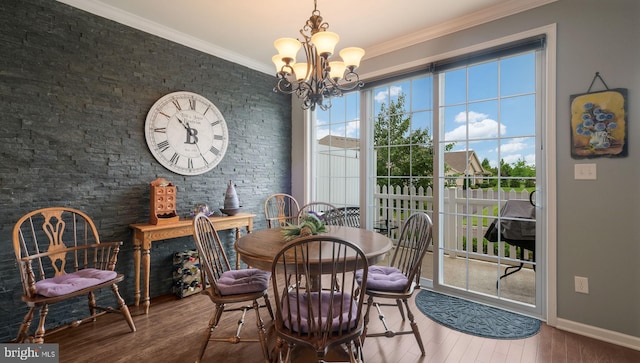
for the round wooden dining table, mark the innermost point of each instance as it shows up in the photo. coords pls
(258, 248)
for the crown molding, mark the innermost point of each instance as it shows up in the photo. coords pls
(483, 16)
(109, 12)
(502, 10)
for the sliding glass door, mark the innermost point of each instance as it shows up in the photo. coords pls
(459, 141)
(487, 146)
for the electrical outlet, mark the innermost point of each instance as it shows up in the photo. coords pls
(582, 284)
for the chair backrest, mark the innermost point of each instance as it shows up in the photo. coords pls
(54, 241)
(412, 245)
(213, 259)
(280, 209)
(325, 211)
(310, 309)
(351, 216)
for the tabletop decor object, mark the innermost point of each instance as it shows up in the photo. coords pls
(201, 208)
(310, 225)
(231, 201)
(163, 202)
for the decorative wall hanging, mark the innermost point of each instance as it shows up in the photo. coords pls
(599, 122)
(186, 133)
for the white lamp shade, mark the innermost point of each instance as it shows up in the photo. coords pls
(278, 62)
(337, 69)
(325, 42)
(300, 70)
(287, 47)
(352, 56)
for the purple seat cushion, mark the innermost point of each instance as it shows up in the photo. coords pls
(301, 310)
(72, 282)
(243, 281)
(384, 278)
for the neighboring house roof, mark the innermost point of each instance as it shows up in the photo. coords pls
(340, 142)
(459, 160)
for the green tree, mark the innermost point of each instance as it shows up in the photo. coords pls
(525, 173)
(486, 165)
(404, 155)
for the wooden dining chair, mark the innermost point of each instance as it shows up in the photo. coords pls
(310, 313)
(60, 257)
(327, 212)
(226, 286)
(281, 209)
(401, 277)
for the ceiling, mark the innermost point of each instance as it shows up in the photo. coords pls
(243, 31)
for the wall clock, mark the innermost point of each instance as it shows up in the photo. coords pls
(186, 133)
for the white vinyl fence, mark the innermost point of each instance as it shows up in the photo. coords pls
(474, 208)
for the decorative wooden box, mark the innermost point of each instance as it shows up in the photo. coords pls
(187, 278)
(163, 202)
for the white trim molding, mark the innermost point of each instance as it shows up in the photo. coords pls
(496, 12)
(112, 13)
(608, 336)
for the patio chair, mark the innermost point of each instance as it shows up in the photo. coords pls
(280, 209)
(351, 216)
(517, 227)
(226, 286)
(60, 257)
(401, 278)
(311, 314)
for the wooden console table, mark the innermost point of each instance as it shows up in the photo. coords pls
(144, 234)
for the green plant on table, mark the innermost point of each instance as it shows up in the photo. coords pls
(310, 225)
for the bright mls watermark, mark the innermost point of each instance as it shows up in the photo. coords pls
(31, 353)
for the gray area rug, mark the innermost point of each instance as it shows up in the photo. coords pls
(474, 318)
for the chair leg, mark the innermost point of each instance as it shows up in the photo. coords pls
(261, 331)
(124, 309)
(213, 323)
(414, 327)
(267, 303)
(366, 318)
(39, 335)
(23, 333)
(275, 353)
(356, 356)
(92, 305)
(399, 303)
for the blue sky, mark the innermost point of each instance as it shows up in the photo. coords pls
(488, 108)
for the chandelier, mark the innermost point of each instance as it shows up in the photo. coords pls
(319, 78)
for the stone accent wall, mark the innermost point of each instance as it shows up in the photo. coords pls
(75, 89)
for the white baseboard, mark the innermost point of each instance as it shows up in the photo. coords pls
(599, 333)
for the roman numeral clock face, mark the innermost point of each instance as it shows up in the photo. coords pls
(186, 133)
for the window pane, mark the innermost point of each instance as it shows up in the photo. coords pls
(483, 81)
(455, 87)
(482, 120)
(455, 122)
(338, 146)
(518, 115)
(517, 74)
(421, 94)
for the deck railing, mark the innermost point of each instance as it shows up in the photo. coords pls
(467, 215)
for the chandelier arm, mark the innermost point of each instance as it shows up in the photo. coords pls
(284, 86)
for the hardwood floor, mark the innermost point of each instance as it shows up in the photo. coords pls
(173, 329)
